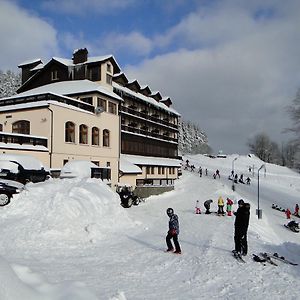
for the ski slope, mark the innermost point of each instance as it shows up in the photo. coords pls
(72, 240)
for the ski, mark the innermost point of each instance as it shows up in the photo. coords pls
(259, 259)
(268, 258)
(238, 257)
(282, 259)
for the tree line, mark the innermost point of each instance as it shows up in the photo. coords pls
(286, 154)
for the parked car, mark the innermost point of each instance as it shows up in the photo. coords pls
(7, 189)
(22, 168)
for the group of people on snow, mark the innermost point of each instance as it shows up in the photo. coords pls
(241, 224)
(238, 179)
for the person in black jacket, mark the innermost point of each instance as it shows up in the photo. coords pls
(241, 227)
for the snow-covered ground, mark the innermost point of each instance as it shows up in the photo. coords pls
(70, 239)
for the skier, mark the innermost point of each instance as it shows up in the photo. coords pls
(241, 180)
(173, 232)
(214, 176)
(207, 204)
(200, 171)
(221, 206)
(218, 173)
(197, 208)
(288, 213)
(248, 180)
(236, 178)
(296, 213)
(241, 227)
(206, 173)
(229, 207)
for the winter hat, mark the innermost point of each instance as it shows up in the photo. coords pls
(241, 202)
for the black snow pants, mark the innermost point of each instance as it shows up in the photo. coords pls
(240, 240)
(175, 240)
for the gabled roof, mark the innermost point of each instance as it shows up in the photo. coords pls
(120, 78)
(156, 95)
(145, 90)
(134, 85)
(167, 101)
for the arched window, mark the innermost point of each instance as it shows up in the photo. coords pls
(95, 136)
(22, 126)
(105, 138)
(83, 134)
(70, 132)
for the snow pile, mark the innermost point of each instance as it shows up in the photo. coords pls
(68, 210)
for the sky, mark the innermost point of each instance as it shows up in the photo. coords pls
(229, 66)
(70, 239)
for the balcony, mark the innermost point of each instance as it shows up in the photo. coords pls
(153, 118)
(147, 133)
(22, 139)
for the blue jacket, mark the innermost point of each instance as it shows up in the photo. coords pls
(174, 223)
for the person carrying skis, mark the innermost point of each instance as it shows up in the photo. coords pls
(197, 208)
(229, 207)
(221, 206)
(207, 204)
(241, 224)
(173, 232)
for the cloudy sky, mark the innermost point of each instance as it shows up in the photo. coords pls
(230, 66)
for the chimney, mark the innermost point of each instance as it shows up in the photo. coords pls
(80, 56)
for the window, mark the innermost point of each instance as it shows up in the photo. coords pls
(108, 164)
(96, 163)
(108, 79)
(83, 134)
(1, 127)
(95, 136)
(112, 108)
(22, 126)
(94, 73)
(54, 75)
(105, 138)
(161, 170)
(108, 68)
(102, 103)
(70, 132)
(88, 100)
(65, 161)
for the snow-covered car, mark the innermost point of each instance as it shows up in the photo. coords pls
(7, 189)
(22, 168)
(82, 168)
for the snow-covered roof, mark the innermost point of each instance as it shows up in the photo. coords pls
(151, 161)
(142, 97)
(77, 168)
(38, 67)
(29, 62)
(128, 167)
(71, 87)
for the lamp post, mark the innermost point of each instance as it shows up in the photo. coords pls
(233, 188)
(259, 211)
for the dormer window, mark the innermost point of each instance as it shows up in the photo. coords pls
(54, 75)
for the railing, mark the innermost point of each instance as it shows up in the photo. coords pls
(147, 117)
(22, 139)
(148, 133)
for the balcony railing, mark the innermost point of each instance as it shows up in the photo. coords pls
(147, 117)
(22, 139)
(148, 133)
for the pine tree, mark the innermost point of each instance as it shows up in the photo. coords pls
(9, 83)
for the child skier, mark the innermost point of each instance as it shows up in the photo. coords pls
(296, 213)
(207, 204)
(229, 207)
(197, 208)
(173, 232)
(288, 213)
(221, 206)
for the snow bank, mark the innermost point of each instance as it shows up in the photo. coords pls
(69, 210)
(19, 282)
